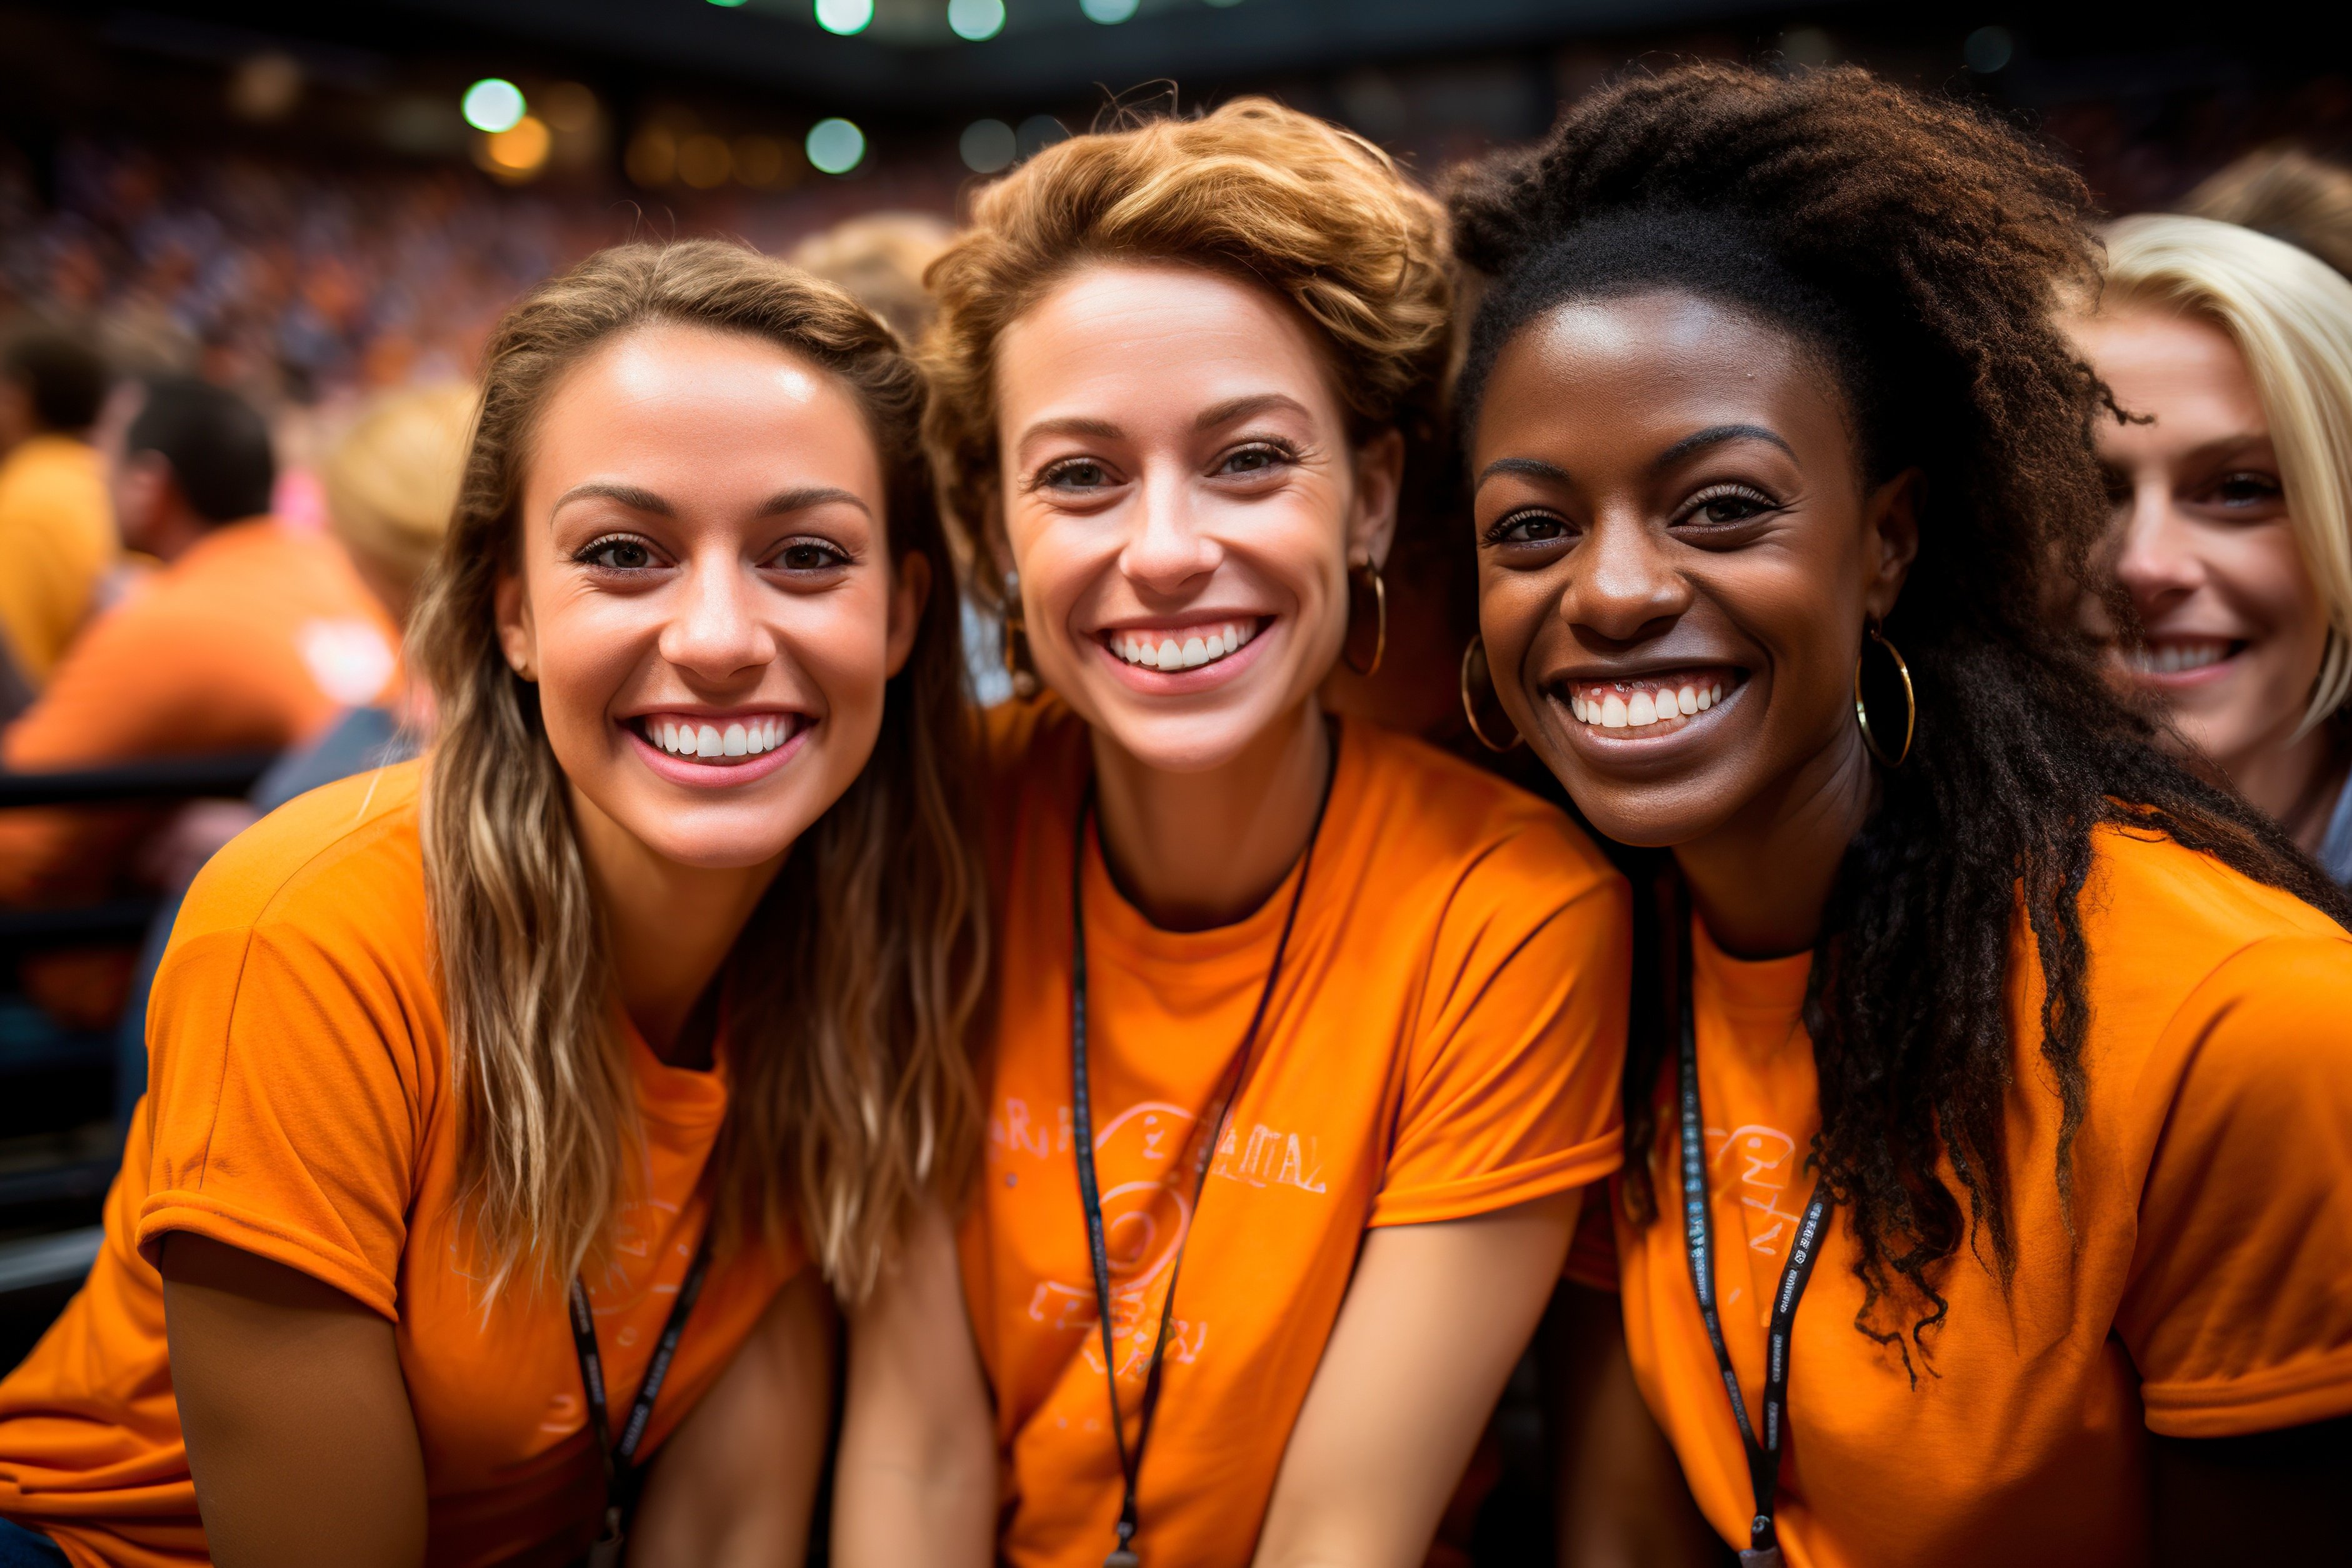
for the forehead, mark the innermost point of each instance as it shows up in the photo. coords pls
(1653, 365)
(1167, 333)
(2161, 361)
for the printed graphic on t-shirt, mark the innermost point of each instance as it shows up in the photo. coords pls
(1759, 1163)
(1145, 1159)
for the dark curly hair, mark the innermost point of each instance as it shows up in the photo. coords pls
(1917, 247)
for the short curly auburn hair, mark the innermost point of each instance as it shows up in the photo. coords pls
(1265, 194)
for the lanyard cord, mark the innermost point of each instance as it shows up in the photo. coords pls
(622, 1475)
(1764, 1456)
(1229, 1087)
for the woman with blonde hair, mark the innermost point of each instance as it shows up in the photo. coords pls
(1304, 1037)
(511, 1111)
(2229, 355)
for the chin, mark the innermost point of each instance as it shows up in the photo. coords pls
(1182, 743)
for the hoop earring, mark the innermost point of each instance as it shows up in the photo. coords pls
(1381, 614)
(1910, 700)
(1015, 640)
(1474, 649)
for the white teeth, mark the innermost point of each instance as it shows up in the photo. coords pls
(1621, 709)
(1712, 695)
(1576, 705)
(735, 742)
(1686, 701)
(1200, 646)
(1641, 710)
(1612, 712)
(706, 742)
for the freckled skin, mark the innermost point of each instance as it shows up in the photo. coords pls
(1608, 546)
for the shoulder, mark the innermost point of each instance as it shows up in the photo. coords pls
(341, 867)
(1022, 731)
(1421, 811)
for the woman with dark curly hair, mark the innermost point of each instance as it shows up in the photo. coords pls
(1989, 1065)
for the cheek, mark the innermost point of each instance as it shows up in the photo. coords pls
(840, 642)
(586, 650)
(2267, 572)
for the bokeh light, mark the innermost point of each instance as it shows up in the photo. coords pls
(1989, 49)
(521, 148)
(705, 161)
(976, 19)
(1039, 132)
(987, 145)
(835, 146)
(493, 104)
(844, 15)
(1108, 11)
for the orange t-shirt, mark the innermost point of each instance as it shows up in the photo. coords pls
(2202, 1289)
(300, 1107)
(255, 639)
(57, 536)
(1445, 1041)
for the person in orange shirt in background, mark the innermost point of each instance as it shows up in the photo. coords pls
(251, 638)
(1307, 1036)
(1989, 1100)
(511, 1110)
(57, 528)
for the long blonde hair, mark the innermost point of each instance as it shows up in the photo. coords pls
(2290, 316)
(851, 1095)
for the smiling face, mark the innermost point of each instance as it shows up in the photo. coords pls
(1678, 552)
(2233, 626)
(1181, 504)
(706, 599)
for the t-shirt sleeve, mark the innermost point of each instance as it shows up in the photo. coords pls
(285, 1100)
(1511, 1088)
(2239, 1310)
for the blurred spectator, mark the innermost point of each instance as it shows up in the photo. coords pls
(881, 258)
(251, 638)
(2232, 353)
(57, 531)
(2288, 194)
(391, 483)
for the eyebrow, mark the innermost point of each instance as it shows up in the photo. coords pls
(1101, 429)
(1234, 408)
(808, 497)
(637, 497)
(1533, 467)
(1716, 435)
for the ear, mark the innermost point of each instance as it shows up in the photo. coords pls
(142, 493)
(518, 634)
(1380, 480)
(910, 590)
(1891, 518)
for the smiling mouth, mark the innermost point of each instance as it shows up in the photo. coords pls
(1642, 705)
(1181, 647)
(2179, 655)
(718, 740)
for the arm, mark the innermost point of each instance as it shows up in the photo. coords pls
(299, 1430)
(1434, 1322)
(914, 1480)
(736, 1484)
(2274, 1497)
(1621, 1500)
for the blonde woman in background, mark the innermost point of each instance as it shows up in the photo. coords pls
(2287, 193)
(2230, 353)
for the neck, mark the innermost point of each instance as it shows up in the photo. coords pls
(1761, 880)
(2291, 784)
(669, 926)
(1194, 851)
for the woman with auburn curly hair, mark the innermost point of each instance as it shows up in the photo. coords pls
(1995, 1062)
(1305, 1035)
(510, 1113)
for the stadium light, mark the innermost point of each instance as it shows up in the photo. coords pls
(493, 104)
(976, 19)
(987, 145)
(835, 146)
(844, 16)
(1108, 11)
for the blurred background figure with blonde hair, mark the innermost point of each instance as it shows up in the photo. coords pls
(2287, 193)
(881, 258)
(2230, 357)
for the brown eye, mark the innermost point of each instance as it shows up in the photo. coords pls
(1729, 509)
(810, 555)
(617, 555)
(1529, 528)
(1081, 473)
(2246, 490)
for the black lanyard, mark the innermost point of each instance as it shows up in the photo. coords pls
(622, 1476)
(1763, 1458)
(1229, 1087)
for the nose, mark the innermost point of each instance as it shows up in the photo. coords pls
(1166, 546)
(2155, 557)
(1627, 587)
(716, 631)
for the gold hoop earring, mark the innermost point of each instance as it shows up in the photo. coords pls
(1910, 700)
(1476, 649)
(1015, 638)
(1380, 619)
